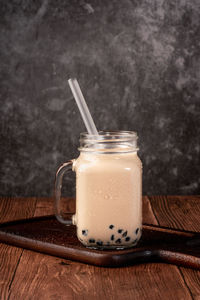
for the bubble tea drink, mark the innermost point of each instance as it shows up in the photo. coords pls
(108, 190)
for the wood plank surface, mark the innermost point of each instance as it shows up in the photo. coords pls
(181, 212)
(147, 212)
(45, 206)
(41, 276)
(59, 279)
(192, 280)
(12, 209)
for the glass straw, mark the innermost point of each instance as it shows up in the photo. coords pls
(83, 108)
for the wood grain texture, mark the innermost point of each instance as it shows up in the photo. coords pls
(12, 209)
(45, 206)
(192, 280)
(41, 276)
(48, 236)
(148, 215)
(46, 276)
(181, 212)
(58, 279)
(9, 259)
(16, 208)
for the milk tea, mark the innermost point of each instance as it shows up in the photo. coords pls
(108, 199)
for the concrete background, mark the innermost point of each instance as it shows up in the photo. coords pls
(138, 63)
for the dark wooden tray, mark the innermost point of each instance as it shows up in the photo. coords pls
(158, 244)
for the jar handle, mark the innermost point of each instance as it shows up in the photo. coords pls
(66, 167)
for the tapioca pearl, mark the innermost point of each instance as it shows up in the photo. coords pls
(127, 239)
(125, 233)
(136, 232)
(85, 232)
(120, 230)
(118, 241)
(99, 243)
(135, 241)
(112, 237)
(111, 226)
(92, 241)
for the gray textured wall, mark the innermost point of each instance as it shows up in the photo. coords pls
(138, 63)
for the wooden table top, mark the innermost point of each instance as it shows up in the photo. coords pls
(25, 274)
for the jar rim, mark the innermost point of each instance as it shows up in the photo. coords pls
(104, 135)
(109, 142)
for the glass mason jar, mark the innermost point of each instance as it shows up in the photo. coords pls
(108, 190)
